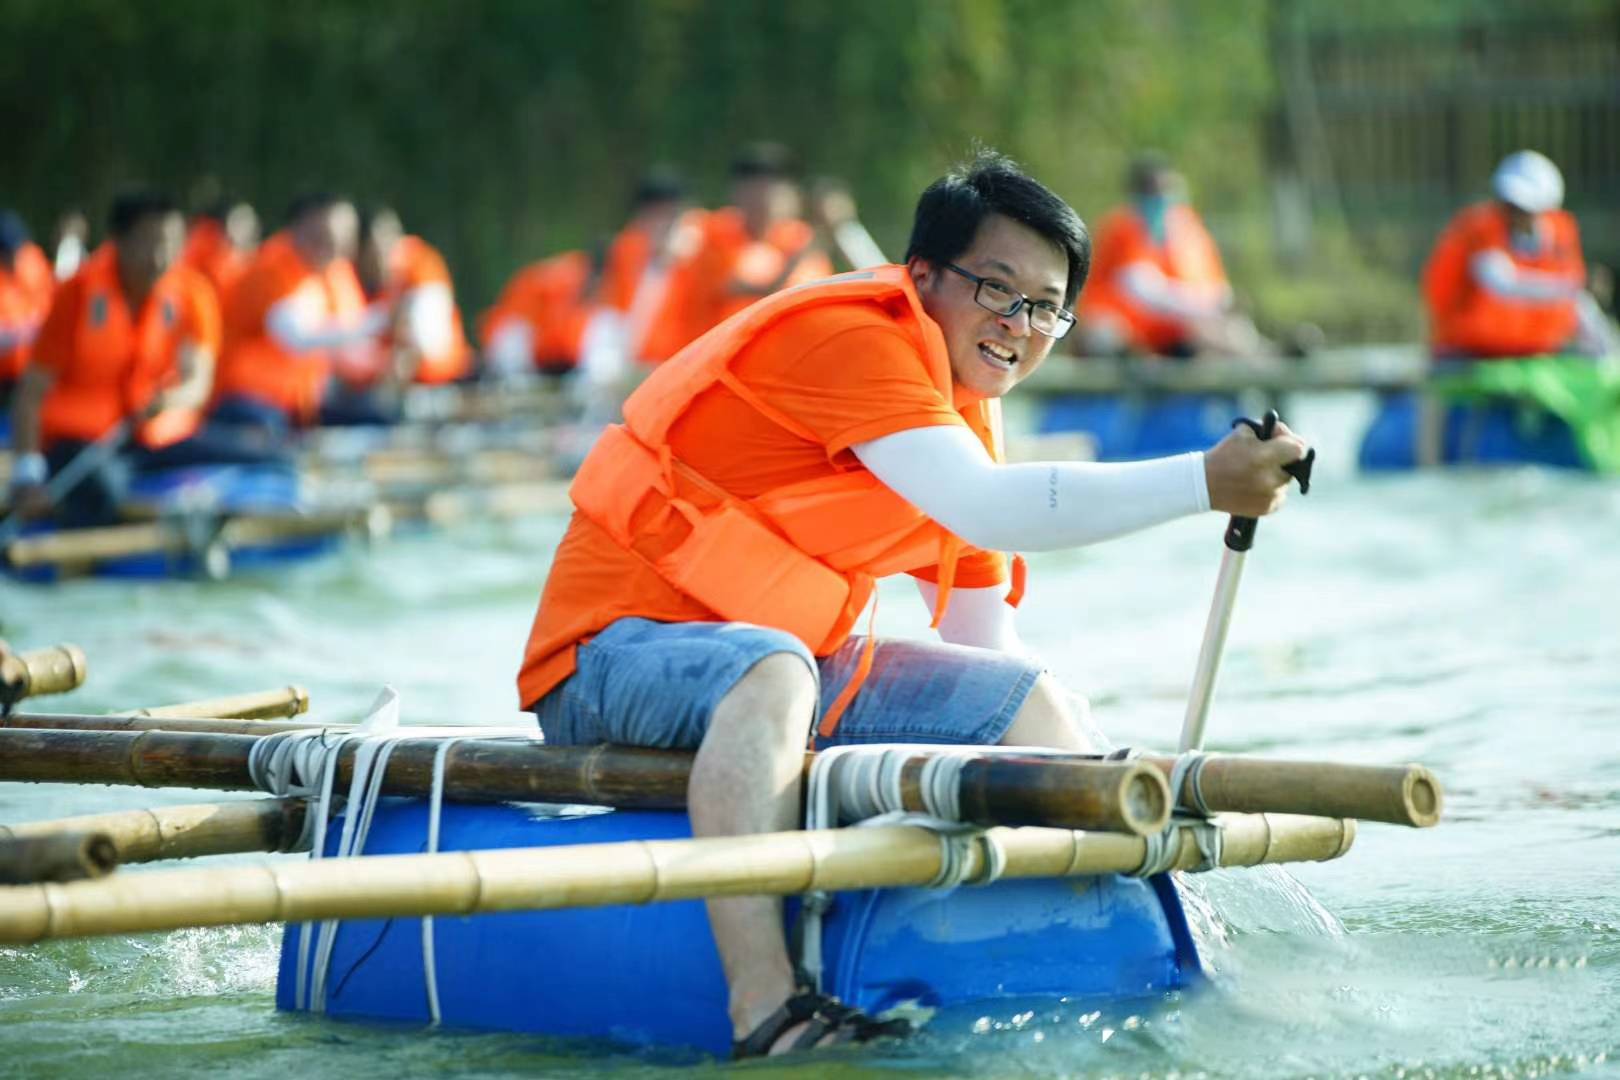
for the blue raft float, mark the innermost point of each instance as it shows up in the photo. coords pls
(1485, 433)
(1131, 427)
(1562, 412)
(648, 975)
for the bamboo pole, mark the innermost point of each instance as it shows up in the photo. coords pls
(1395, 794)
(1002, 789)
(59, 856)
(591, 875)
(182, 832)
(280, 703)
(55, 670)
(501, 501)
(1074, 794)
(127, 722)
(632, 778)
(82, 547)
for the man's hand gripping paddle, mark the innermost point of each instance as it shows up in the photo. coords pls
(1239, 538)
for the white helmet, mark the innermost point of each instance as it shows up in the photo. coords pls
(1529, 181)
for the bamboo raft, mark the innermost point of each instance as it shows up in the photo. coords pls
(1060, 885)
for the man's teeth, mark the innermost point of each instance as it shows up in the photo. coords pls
(997, 353)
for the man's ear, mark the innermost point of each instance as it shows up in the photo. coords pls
(922, 272)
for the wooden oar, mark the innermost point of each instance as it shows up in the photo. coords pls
(280, 703)
(1239, 539)
(993, 789)
(593, 875)
(40, 671)
(181, 832)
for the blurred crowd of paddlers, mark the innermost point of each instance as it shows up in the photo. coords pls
(180, 339)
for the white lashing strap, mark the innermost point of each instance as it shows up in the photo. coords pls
(864, 784)
(304, 763)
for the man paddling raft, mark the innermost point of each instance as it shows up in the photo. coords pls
(727, 537)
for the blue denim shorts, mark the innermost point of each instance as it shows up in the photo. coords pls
(645, 683)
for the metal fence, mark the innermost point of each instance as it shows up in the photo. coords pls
(1396, 129)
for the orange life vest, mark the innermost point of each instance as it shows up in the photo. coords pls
(109, 362)
(556, 297)
(209, 252)
(412, 263)
(658, 309)
(1187, 256)
(734, 269)
(1468, 319)
(803, 557)
(25, 297)
(254, 365)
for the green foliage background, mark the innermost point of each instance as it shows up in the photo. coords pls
(507, 129)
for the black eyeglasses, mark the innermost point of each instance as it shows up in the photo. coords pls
(1003, 299)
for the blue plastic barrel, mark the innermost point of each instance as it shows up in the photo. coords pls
(649, 976)
(1500, 432)
(1127, 427)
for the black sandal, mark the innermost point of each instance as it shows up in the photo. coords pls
(822, 1015)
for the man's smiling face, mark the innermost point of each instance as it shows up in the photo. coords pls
(990, 353)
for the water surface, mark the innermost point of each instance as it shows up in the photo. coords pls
(1466, 621)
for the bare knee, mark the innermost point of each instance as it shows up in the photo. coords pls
(773, 702)
(1050, 716)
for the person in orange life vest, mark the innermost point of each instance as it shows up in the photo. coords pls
(131, 338)
(727, 535)
(219, 243)
(756, 246)
(647, 275)
(640, 314)
(427, 341)
(293, 315)
(1506, 278)
(539, 319)
(26, 285)
(1158, 287)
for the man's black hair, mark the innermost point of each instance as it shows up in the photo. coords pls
(130, 208)
(764, 160)
(1146, 173)
(310, 201)
(659, 184)
(952, 208)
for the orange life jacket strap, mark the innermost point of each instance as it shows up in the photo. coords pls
(863, 668)
(765, 408)
(1020, 580)
(950, 551)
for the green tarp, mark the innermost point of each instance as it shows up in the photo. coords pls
(1582, 393)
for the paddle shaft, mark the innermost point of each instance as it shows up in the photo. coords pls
(70, 475)
(1239, 538)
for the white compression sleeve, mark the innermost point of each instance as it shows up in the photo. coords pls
(1148, 286)
(1495, 271)
(1037, 506)
(298, 325)
(429, 317)
(977, 617)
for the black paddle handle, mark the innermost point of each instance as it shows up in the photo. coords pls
(1240, 530)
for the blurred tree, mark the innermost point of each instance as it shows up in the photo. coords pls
(504, 129)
